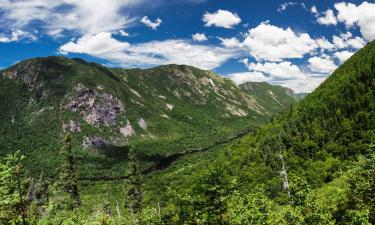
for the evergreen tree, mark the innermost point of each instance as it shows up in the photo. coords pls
(134, 183)
(67, 183)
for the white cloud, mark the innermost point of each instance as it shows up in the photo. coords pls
(221, 18)
(343, 55)
(268, 42)
(284, 6)
(15, 36)
(123, 33)
(307, 84)
(56, 16)
(362, 16)
(101, 45)
(153, 25)
(321, 64)
(281, 70)
(314, 11)
(199, 37)
(177, 51)
(230, 42)
(328, 18)
(346, 40)
(324, 44)
(244, 77)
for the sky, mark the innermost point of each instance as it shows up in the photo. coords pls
(293, 44)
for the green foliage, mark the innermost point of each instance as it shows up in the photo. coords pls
(312, 164)
(12, 203)
(39, 88)
(274, 98)
(134, 185)
(66, 187)
(318, 144)
(252, 208)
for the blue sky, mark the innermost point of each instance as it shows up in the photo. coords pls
(294, 44)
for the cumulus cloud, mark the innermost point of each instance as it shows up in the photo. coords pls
(346, 40)
(321, 64)
(328, 18)
(324, 44)
(56, 16)
(281, 70)
(176, 51)
(153, 25)
(361, 15)
(230, 42)
(342, 56)
(272, 43)
(304, 83)
(307, 84)
(199, 37)
(244, 77)
(102, 45)
(221, 18)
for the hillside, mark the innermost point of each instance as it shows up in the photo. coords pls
(313, 164)
(272, 97)
(161, 111)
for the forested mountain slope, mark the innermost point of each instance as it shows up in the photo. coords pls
(273, 97)
(314, 164)
(161, 111)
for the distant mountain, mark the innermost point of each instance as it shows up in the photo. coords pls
(273, 98)
(161, 111)
(300, 96)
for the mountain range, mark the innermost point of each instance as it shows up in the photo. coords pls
(186, 146)
(161, 111)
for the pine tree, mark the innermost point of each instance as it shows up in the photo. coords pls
(67, 183)
(134, 184)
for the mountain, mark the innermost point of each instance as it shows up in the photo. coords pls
(300, 96)
(312, 164)
(274, 98)
(162, 110)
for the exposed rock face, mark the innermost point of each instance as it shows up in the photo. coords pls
(169, 106)
(236, 111)
(94, 142)
(27, 72)
(72, 126)
(127, 131)
(97, 108)
(142, 123)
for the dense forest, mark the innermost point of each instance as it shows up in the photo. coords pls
(311, 164)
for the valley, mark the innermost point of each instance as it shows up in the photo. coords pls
(198, 147)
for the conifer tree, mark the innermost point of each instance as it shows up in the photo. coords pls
(68, 180)
(134, 183)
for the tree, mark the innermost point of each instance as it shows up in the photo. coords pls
(12, 203)
(134, 183)
(67, 185)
